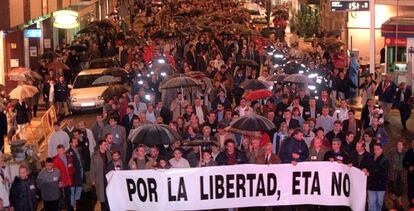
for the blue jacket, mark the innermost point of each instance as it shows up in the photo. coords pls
(291, 145)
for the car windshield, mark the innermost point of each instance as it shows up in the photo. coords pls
(83, 81)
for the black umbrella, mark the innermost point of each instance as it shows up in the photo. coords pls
(250, 125)
(247, 62)
(155, 134)
(254, 84)
(49, 55)
(78, 48)
(298, 79)
(90, 29)
(179, 82)
(293, 66)
(160, 35)
(102, 24)
(114, 90)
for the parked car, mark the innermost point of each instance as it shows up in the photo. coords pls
(104, 63)
(85, 94)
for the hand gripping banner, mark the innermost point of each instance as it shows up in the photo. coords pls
(317, 183)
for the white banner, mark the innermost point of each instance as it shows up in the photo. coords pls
(318, 183)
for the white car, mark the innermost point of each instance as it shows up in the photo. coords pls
(84, 94)
(256, 11)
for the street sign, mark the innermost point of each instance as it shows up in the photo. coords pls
(349, 5)
(33, 33)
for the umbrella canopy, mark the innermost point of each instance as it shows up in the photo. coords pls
(106, 79)
(23, 74)
(250, 33)
(247, 62)
(250, 125)
(277, 77)
(254, 84)
(259, 94)
(154, 134)
(23, 91)
(198, 143)
(179, 82)
(78, 48)
(57, 66)
(298, 79)
(114, 90)
(49, 55)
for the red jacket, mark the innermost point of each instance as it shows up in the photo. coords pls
(66, 173)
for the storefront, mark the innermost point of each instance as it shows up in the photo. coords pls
(398, 36)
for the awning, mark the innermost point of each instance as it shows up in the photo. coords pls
(403, 26)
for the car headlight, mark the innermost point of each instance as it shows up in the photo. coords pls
(313, 75)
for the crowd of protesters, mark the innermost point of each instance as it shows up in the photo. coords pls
(320, 127)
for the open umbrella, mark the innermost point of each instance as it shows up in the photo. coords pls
(250, 125)
(114, 90)
(247, 62)
(298, 79)
(179, 82)
(106, 79)
(49, 55)
(277, 77)
(57, 66)
(254, 84)
(259, 94)
(21, 74)
(23, 91)
(154, 134)
(78, 48)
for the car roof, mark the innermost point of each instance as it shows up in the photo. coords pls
(104, 59)
(92, 71)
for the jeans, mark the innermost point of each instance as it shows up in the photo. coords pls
(68, 194)
(75, 195)
(375, 200)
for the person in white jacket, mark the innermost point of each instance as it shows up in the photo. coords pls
(56, 138)
(5, 182)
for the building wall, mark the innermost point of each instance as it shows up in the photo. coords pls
(35, 9)
(17, 17)
(358, 28)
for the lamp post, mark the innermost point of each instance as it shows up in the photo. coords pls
(372, 37)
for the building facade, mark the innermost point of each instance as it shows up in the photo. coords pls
(26, 29)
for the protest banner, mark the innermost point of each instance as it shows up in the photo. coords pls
(318, 183)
